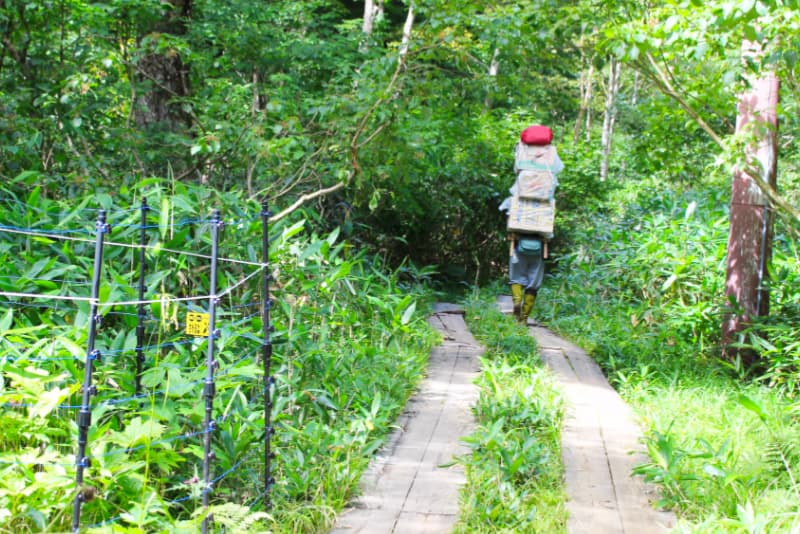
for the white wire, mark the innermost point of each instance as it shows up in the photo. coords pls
(153, 301)
(261, 267)
(186, 253)
(184, 299)
(129, 245)
(242, 281)
(43, 234)
(38, 296)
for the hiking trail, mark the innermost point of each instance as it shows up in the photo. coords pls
(406, 491)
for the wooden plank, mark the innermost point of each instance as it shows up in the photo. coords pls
(600, 446)
(405, 489)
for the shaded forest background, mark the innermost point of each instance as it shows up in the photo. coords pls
(392, 120)
(282, 99)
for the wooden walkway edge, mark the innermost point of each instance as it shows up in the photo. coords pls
(405, 489)
(600, 446)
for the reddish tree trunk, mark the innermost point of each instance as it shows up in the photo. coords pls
(750, 239)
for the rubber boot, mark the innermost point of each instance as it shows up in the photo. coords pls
(516, 298)
(527, 306)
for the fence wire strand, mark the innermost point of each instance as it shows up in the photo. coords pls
(71, 235)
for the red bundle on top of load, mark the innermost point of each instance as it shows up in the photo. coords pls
(537, 135)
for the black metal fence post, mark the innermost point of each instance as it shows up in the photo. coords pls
(85, 412)
(266, 350)
(140, 313)
(209, 387)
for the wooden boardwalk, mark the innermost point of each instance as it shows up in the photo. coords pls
(405, 488)
(407, 491)
(599, 446)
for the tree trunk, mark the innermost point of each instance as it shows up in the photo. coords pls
(165, 75)
(254, 109)
(750, 238)
(369, 17)
(585, 89)
(373, 12)
(494, 67)
(588, 100)
(407, 32)
(609, 116)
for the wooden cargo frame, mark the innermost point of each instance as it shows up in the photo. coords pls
(532, 216)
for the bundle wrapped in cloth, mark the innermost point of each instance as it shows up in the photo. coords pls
(530, 216)
(532, 208)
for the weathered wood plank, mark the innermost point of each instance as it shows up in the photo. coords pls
(405, 488)
(600, 446)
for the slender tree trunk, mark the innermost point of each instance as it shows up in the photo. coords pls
(254, 108)
(494, 67)
(367, 24)
(369, 17)
(585, 90)
(373, 12)
(609, 115)
(407, 32)
(588, 100)
(750, 238)
(576, 130)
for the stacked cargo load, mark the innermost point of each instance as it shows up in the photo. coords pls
(532, 208)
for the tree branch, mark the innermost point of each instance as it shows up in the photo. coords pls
(791, 213)
(355, 144)
(662, 81)
(372, 136)
(305, 198)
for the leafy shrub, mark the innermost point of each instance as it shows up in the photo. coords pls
(349, 347)
(642, 290)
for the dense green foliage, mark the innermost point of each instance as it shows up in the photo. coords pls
(284, 98)
(398, 158)
(349, 349)
(722, 438)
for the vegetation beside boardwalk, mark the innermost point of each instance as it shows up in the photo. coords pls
(514, 470)
(640, 288)
(381, 133)
(349, 347)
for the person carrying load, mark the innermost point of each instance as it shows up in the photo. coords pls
(531, 212)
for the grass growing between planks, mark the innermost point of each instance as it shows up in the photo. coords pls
(641, 292)
(514, 472)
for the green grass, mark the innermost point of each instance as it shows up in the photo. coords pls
(642, 292)
(514, 472)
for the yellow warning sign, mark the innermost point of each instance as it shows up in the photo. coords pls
(197, 324)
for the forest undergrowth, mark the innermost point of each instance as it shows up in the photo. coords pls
(514, 470)
(349, 346)
(641, 287)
